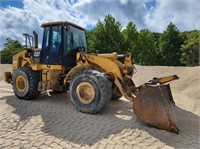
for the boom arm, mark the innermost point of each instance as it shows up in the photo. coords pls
(121, 74)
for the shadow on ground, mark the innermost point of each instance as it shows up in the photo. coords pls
(63, 121)
(189, 134)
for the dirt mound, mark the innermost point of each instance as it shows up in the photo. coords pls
(185, 90)
(4, 68)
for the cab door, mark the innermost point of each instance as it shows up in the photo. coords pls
(52, 45)
(74, 41)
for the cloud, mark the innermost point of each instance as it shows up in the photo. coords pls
(184, 14)
(123, 10)
(17, 21)
(154, 15)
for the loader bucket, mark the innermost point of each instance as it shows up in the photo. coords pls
(154, 105)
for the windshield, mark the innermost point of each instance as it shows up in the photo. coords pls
(77, 38)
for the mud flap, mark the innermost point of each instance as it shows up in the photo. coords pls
(154, 105)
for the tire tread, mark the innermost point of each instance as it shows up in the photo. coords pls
(104, 86)
(33, 78)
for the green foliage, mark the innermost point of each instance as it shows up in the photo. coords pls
(90, 41)
(11, 47)
(170, 44)
(130, 37)
(108, 35)
(141, 44)
(147, 48)
(190, 49)
(156, 37)
(171, 48)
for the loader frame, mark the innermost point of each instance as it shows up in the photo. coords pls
(91, 79)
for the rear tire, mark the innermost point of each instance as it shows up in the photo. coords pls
(115, 93)
(25, 83)
(90, 91)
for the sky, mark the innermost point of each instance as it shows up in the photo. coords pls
(24, 16)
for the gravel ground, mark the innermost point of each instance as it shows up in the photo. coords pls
(53, 122)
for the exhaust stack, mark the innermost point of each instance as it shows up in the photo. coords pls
(35, 39)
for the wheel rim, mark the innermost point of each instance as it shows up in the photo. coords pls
(21, 84)
(85, 92)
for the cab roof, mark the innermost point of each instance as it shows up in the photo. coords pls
(61, 23)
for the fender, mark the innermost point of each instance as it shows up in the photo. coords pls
(75, 70)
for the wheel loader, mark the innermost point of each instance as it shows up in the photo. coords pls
(63, 64)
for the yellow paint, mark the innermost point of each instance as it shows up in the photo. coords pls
(104, 63)
(7, 75)
(21, 83)
(46, 67)
(75, 70)
(85, 92)
(167, 79)
(112, 56)
(128, 60)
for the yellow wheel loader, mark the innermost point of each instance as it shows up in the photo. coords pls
(92, 79)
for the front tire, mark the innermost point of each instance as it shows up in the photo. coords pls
(90, 91)
(25, 83)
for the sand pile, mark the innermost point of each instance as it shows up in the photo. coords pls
(4, 68)
(186, 90)
(187, 86)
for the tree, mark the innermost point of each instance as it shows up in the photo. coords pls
(169, 48)
(170, 43)
(147, 48)
(190, 49)
(11, 47)
(108, 35)
(90, 36)
(130, 38)
(156, 37)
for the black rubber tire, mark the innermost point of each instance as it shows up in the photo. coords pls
(101, 86)
(32, 80)
(115, 93)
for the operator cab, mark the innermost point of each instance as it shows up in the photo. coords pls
(61, 42)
